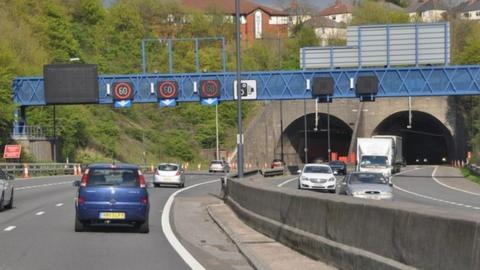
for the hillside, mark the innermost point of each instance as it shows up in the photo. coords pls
(43, 32)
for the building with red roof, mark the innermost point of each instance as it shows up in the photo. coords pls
(339, 12)
(257, 21)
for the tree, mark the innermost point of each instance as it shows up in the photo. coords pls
(371, 12)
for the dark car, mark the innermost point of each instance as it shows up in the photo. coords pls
(338, 167)
(110, 194)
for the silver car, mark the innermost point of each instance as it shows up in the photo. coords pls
(219, 166)
(169, 174)
(6, 190)
(366, 185)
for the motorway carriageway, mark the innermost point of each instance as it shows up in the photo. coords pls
(436, 186)
(38, 233)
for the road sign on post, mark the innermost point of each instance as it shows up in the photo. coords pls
(248, 89)
(12, 151)
(122, 95)
(167, 93)
(209, 92)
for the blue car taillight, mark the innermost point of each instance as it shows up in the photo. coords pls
(80, 200)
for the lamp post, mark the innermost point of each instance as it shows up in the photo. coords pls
(216, 132)
(305, 130)
(239, 94)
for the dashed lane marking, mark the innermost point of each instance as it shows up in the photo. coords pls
(9, 228)
(42, 186)
(429, 197)
(40, 213)
(59, 204)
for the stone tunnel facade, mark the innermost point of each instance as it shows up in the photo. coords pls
(434, 121)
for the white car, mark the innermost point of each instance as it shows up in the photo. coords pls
(317, 176)
(169, 174)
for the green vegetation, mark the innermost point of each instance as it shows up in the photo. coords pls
(35, 33)
(469, 175)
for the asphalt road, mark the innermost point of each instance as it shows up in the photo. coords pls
(38, 233)
(414, 185)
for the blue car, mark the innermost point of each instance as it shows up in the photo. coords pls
(111, 194)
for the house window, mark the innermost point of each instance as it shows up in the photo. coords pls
(278, 20)
(333, 18)
(477, 13)
(466, 14)
(243, 20)
(258, 24)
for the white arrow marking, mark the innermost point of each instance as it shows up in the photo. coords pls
(210, 101)
(167, 102)
(123, 103)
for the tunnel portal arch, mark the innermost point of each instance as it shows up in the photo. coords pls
(426, 141)
(317, 139)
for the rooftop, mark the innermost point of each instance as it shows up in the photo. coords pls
(338, 8)
(246, 6)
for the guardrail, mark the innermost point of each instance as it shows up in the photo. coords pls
(473, 168)
(39, 169)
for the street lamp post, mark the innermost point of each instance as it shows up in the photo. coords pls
(305, 129)
(281, 131)
(328, 132)
(216, 135)
(239, 94)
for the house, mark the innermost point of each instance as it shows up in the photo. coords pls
(326, 29)
(298, 13)
(469, 10)
(339, 12)
(426, 11)
(257, 21)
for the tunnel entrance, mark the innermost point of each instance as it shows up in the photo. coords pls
(426, 141)
(317, 139)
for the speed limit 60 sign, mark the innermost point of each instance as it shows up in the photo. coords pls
(167, 90)
(122, 91)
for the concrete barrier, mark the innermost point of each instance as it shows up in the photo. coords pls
(359, 234)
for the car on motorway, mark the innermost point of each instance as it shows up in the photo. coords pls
(366, 185)
(277, 163)
(338, 167)
(317, 176)
(169, 174)
(219, 166)
(6, 188)
(112, 194)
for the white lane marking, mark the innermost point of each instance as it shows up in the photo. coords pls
(172, 239)
(411, 170)
(450, 187)
(41, 186)
(9, 228)
(436, 199)
(59, 204)
(286, 182)
(40, 213)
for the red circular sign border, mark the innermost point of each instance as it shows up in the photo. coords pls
(121, 97)
(162, 95)
(217, 86)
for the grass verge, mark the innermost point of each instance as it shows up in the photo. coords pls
(470, 176)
